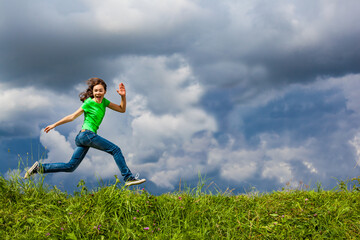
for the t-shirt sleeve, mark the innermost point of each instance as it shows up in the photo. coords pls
(106, 102)
(85, 105)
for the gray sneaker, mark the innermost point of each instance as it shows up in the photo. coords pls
(134, 181)
(33, 170)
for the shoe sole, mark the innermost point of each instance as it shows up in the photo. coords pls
(127, 184)
(28, 172)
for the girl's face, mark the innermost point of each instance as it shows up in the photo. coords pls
(99, 93)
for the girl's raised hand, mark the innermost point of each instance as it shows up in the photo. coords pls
(121, 90)
(48, 128)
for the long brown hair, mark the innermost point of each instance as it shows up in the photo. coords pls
(92, 82)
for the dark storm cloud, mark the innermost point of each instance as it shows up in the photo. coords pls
(280, 44)
(228, 44)
(56, 48)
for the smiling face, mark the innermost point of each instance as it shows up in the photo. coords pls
(98, 93)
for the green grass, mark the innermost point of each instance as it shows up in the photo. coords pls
(31, 210)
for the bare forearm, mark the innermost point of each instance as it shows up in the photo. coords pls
(60, 122)
(122, 107)
(123, 104)
(64, 120)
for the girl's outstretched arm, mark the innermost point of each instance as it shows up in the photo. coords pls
(66, 119)
(122, 107)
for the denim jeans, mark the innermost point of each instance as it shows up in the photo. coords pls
(85, 140)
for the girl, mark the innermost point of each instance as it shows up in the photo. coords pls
(93, 107)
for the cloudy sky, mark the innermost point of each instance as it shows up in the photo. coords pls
(248, 93)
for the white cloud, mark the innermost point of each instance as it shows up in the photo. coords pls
(17, 102)
(355, 142)
(166, 178)
(350, 85)
(280, 171)
(171, 169)
(59, 148)
(166, 84)
(151, 129)
(24, 109)
(234, 164)
(141, 16)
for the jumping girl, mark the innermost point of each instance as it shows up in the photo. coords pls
(93, 107)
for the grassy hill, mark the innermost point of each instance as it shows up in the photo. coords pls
(30, 210)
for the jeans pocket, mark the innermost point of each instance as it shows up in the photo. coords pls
(83, 139)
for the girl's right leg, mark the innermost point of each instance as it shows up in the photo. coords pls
(77, 157)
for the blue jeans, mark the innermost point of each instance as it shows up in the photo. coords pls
(84, 140)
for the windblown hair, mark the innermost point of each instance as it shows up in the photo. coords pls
(92, 82)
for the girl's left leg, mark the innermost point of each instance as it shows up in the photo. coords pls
(77, 157)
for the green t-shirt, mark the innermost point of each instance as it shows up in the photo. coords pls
(93, 113)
